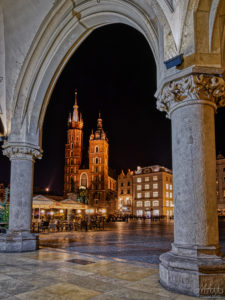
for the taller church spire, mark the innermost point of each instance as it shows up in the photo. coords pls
(77, 120)
(75, 109)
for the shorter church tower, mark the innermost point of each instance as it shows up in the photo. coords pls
(98, 165)
(73, 149)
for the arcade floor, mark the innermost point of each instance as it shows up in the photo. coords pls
(107, 265)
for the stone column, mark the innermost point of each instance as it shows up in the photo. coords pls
(194, 265)
(19, 237)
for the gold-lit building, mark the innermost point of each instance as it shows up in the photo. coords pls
(92, 185)
(220, 183)
(146, 192)
(125, 193)
(153, 191)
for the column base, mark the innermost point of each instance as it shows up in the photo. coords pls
(18, 242)
(193, 271)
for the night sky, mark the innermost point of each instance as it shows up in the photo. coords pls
(115, 74)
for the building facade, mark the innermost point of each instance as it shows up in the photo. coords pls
(125, 193)
(220, 183)
(93, 182)
(153, 192)
(2, 192)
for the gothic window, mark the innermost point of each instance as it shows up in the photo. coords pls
(96, 160)
(84, 180)
(96, 149)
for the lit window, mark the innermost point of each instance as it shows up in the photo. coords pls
(155, 194)
(171, 195)
(138, 195)
(146, 178)
(84, 180)
(139, 204)
(155, 178)
(139, 179)
(155, 212)
(139, 213)
(155, 186)
(167, 203)
(147, 203)
(155, 203)
(167, 194)
(167, 186)
(147, 194)
(171, 187)
(171, 203)
(138, 187)
(121, 202)
(128, 202)
(147, 186)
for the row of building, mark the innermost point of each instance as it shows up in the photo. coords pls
(147, 191)
(144, 192)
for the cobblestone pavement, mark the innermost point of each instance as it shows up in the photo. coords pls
(59, 274)
(136, 240)
(109, 265)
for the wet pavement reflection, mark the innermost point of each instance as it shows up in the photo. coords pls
(136, 240)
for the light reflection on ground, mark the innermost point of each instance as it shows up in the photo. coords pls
(136, 240)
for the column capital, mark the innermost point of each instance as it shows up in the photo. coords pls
(21, 151)
(192, 89)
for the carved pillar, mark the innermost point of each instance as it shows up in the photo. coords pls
(194, 265)
(19, 237)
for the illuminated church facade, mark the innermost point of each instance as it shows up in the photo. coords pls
(93, 182)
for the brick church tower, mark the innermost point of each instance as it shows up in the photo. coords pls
(94, 181)
(73, 149)
(98, 165)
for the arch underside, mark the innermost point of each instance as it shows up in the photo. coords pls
(53, 51)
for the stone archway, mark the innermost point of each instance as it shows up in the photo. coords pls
(189, 93)
(59, 36)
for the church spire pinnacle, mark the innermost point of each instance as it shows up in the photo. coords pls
(99, 121)
(75, 109)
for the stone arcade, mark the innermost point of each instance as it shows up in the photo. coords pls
(37, 38)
